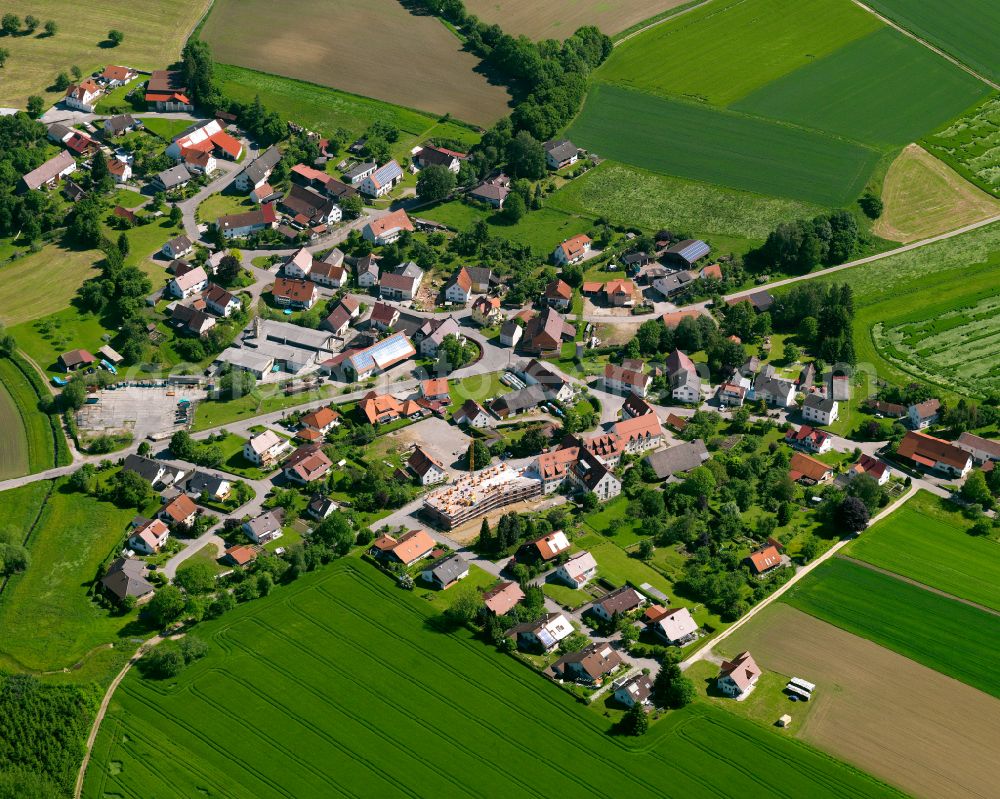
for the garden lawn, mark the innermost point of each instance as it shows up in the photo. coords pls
(928, 540)
(212, 413)
(23, 297)
(353, 666)
(942, 634)
(477, 387)
(165, 128)
(222, 204)
(697, 142)
(44, 340)
(74, 536)
(567, 597)
(600, 522)
(968, 30)
(234, 462)
(127, 198)
(725, 50)
(885, 89)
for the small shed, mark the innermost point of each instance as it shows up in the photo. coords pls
(784, 721)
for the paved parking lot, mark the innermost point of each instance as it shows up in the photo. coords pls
(141, 411)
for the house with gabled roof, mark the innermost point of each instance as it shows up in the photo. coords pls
(675, 626)
(265, 448)
(235, 226)
(635, 690)
(503, 597)
(679, 459)
(126, 577)
(472, 414)
(486, 311)
(166, 91)
(188, 284)
(809, 438)
(446, 572)
(82, 96)
(620, 601)
(619, 380)
(256, 173)
(819, 409)
(924, 414)
(49, 173)
(386, 229)
(639, 433)
(114, 76)
(382, 180)
(430, 155)
(764, 560)
(579, 570)
(307, 464)
(425, 467)
(809, 471)
(572, 250)
(149, 536)
(289, 293)
(265, 527)
(874, 467)
(685, 382)
(407, 549)
(180, 510)
(541, 635)
(738, 677)
(982, 450)
(559, 294)
(590, 665)
(546, 332)
(935, 454)
(560, 153)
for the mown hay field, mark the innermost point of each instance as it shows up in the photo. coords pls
(341, 685)
(374, 48)
(928, 540)
(948, 636)
(902, 722)
(969, 30)
(28, 444)
(14, 441)
(970, 145)
(727, 49)
(72, 538)
(23, 297)
(924, 196)
(154, 36)
(559, 18)
(884, 88)
(698, 142)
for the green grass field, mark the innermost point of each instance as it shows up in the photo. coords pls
(166, 129)
(884, 89)
(28, 444)
(322, 109)
(44, 340)
(74, 535)
(942, 634)
(23, 297)
(686, 139)
(967, 30)
(630, 195)
(928, 540)
(337, 686)
(725, 50)
(261, 400)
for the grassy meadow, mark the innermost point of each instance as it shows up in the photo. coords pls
(928, 540)
(27, 444)
(14, 443)
(154, 36)
(968, 30)
(685, 139)
(300, 688)
(23, 297)
(73, 536)
(950, 637)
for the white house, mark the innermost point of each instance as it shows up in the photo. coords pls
(459, 288)
(544, 634)
(738, 677)
(189, 283)
(924, 414)
(382, 180)
(149, 537)
(299, 265)
(472, 414)
(386, 229)
(177, 247)
(264, 449)
(685, 382)
(676, 627)
(265, 527)
(428, 469)
(578, 570)
(620, 380)
(821, 410)
(777, 391)
(635, 690)
(82, 96)
(572, 250)
(221, 302)
(560, 153)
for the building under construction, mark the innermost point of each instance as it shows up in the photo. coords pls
(479, 493)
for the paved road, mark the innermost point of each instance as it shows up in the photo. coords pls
(705, 652)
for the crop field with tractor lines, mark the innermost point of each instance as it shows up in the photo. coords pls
(342, 685)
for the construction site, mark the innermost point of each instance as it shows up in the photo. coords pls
(479, 493)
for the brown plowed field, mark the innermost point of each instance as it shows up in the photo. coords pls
(928, 734)
(558, 19)
(375, 48)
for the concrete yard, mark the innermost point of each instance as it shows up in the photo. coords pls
(141, 411)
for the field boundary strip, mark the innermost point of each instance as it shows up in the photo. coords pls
(42, 507)
(916, 583)
(947, 56)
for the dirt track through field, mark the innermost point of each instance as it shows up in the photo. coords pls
(374, 48)
(915, 728)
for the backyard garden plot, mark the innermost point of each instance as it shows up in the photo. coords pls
(154, 35)
(884, 88)
(927, 541)
(727, 49)
(560, 18)
(924, 196)
(971, 145)
(337, 686)
(915, 728)
(374, 48)
(969, 30)
(717, 146)
(947, 636)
